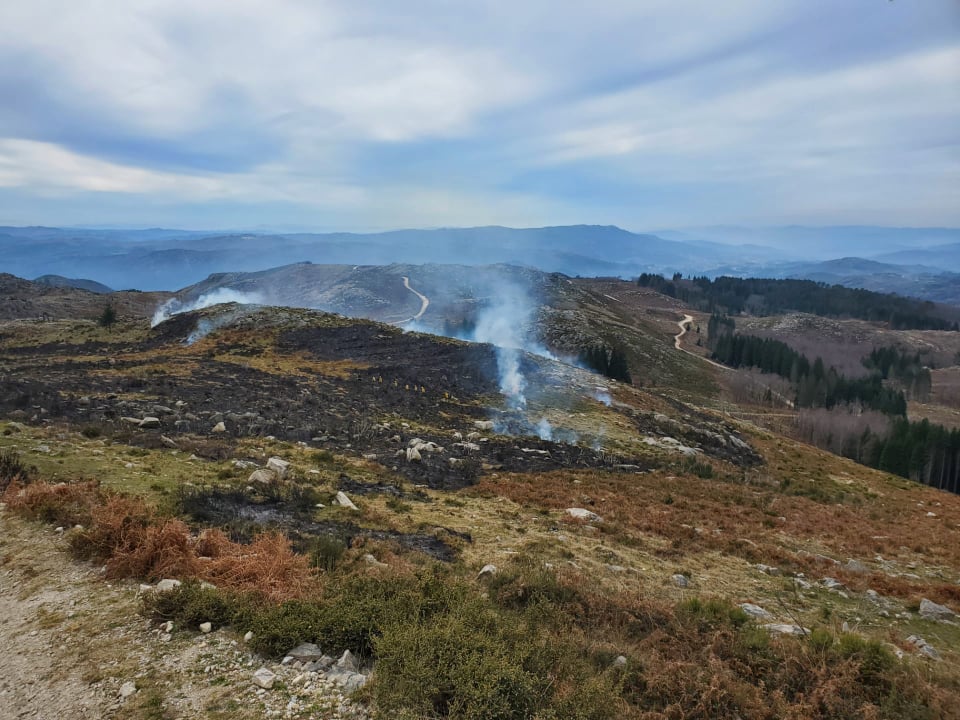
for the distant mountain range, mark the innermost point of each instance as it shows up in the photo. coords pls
(922, 262)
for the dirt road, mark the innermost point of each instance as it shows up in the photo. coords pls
(424, 301)
(684, 326)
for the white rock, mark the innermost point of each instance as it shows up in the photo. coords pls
(167, 584)
(127, 689)
(264, 477)
(264, 678)
(923, 647)
(279, 466)
(767, 569)
(248, 637)
(150, 422)
(930, 610)
(483, 424)
(487, 571)
(583, 514)
(755, 611)
(620, 661)
(219, 428)
(681, 581)
(347, 661)
(371, 560)
(343, 501)
(785, 629)
(206, 627)
(413, 455)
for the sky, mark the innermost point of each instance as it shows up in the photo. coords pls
(377, 114)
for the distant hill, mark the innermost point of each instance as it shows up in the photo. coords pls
(22, 300)
(79, 283)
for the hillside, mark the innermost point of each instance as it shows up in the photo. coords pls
(638, 522)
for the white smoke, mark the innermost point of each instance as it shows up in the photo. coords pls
(544, 429)
(601, 395)
(175, 306)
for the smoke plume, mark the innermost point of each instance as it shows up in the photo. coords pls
(175, 306)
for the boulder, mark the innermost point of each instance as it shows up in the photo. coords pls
(306, 652)
(265, 477)
(206, 627)
(785, 629)
(681, 581)
(167, 584)
(279, 466)
(219, 428)
(264, 678)
(483, 424)
(583, 514)
(755, 611)
(150, 423)
(767, 569)
(487, 571)
(930, 610)
(348, 661)
(620, 661)
(127, 689)
(371, 560)
(923, 647)
(343, 501)
(413, 455)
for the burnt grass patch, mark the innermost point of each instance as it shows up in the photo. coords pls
(242, 516)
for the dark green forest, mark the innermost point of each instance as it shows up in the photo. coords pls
(759, 296)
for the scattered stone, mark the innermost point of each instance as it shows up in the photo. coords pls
(279, 466)
(923, 647)
(371, 560)
(620, 661)
(767, 569)
(755, 611)
(264, 678)
(832, 584)
(343, 501)
(785, 629)
(219, 428)
(169, 442)
(930, 610)
(264, 477)
(583, 514)
(306, 652)
(167, 584)
(855, 566)
(206, 627)
(127, 689)
(248, 637)
(483, 424)
(348, 661)
(413, 455)
(149, 423)
(487, 571)
(681, 581)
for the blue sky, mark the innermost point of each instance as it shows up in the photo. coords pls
(377, 114)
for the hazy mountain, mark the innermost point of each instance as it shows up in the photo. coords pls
(79, 283)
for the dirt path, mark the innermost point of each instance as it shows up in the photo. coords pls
(424, 300)
(69, 641)
(684, 326)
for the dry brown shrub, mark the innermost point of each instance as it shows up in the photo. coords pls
(268, 566)
(61, 503)
(155, 552)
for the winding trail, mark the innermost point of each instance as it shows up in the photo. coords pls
(684, 326)
(424, 301)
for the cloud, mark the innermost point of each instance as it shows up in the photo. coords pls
(378, 114)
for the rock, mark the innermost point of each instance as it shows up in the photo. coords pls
(130, 420)
(264, 477)
(349, 681)
(855, 566)
(206, 627)
(583, 514)
(785, 629)
(923, 647)
(371, 560)
(248, 637)
(681, 581)
(127, 689)
(219, 428)
(279, 466)
(347, 661)
(264, 678)
(930, 610)
(620, 661)
(413, 455)
(467, 446)
(149, 423)
(168, 442)
(831, 584)
(483, 424)
(320, 665)
(167, 584)
(306, 652)
(755, 611)
(767, 569)
(487, 571)
(343, 501)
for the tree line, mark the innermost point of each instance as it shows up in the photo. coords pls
(606, 361)
(921, 451)
(762, 296)
(904, 368)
